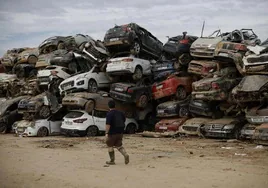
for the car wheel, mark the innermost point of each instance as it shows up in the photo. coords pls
(185, 59)
(137, 75)
(32, 59)
(89, 106)
(183, 112)
(61, 46)
(131, 128)
(3, 128)
(92, 86)
(44, 112)
(136, 48)
(42, 132)
(181, 93)
(142, 101)
(92, 131)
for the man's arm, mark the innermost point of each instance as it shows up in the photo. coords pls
(107, 128)
(108, 123)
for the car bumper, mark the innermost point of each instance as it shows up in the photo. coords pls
(26, 131)
(202, 53)
(200, 111)
(210, 95)
(165, 128)
(189, 130)
(219, 134)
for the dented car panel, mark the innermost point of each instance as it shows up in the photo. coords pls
(260, 135)
(29, 55)
(192, 126)
(247, 131)
(170, 124)
(205, 108)
(257, 115)
(223, 128)
(223, 49)
(251, 88)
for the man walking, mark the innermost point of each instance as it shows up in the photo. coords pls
(115, 126)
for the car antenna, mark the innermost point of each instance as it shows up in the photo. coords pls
(203, 26)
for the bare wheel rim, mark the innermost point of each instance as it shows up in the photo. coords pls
(181, 93)
(142, 101)
(92, 131)
(93, 86)
(42, 132)
(136, 47)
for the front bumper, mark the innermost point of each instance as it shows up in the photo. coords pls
(74, 87)
(121, 42)
(210, 95)
(26, 131)
(165, 128)
(205, 53)
(228, 133)
(200, 111)
(189, 130)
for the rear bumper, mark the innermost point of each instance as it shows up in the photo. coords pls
(210, 95)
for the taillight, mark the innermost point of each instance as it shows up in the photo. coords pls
(215, 85)
(54, 73)
(128, 60)
(130, 91)
(184, 41)
(80, 120)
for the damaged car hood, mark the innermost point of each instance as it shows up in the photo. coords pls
(253, 83)
(9, 102)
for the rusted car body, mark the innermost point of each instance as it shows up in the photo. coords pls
(170, 124)
(10, 57)
(176, 84)
(9, 113)
(43, 61)
(257, 115)
(247, 131)
(206, 68)
(51, 44)
(223, 49)
(173, 108)
(29, 55)
(192, 126)
(216, 88)
(222, 128)
(5, 81)
(252, 88)
(260, 135)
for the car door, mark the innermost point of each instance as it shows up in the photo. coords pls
(55, 121)
(99, 76)
(100, 119)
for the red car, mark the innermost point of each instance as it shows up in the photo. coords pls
(177, 84)
(170, 124)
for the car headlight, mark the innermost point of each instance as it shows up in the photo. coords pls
(82, 82)
(229, 126)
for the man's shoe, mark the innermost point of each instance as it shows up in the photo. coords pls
(126, 159)
(110, 162)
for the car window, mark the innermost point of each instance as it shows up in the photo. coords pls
(96, 69)
(58, 116)
(100, 114)
(74, 114)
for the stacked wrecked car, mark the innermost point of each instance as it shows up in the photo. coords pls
(212, 86)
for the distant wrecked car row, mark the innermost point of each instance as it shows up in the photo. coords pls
(70, 79)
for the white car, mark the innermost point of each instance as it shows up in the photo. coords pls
(78, 122)
(89, 81)
(40, 127)
(43, 75)
(130, 65)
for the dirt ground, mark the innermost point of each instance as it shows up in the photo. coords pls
(154, 162)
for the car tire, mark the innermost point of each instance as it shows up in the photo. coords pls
(42, 132)
(131, 128)
(137, 75)
(32, 59)
(61, 46)
(142, 101)
(44, 112)
(181, 93)
(89, 106)
(135, 48)
(3, 128)
(92, 86)
(183, 112)
(184, 59)
(92, 131)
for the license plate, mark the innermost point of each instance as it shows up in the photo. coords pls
(68, 122)
(118, 89)
(257, 120)
(159, 87)
(199, 96)
(114, 39)
(164, 128)
(223, 54)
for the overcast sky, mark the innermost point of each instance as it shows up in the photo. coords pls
(29, 22)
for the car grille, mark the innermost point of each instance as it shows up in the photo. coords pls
(215, 127)
(67, 85)
(43, 79)
(189, 128)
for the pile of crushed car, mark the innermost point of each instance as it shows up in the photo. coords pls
(214, 86)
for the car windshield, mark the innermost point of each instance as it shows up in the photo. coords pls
(74, 114)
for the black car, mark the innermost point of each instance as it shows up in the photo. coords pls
(9, 113)
(179, 47)
(134, 38)
(51, 44)
(162, 66)
(173, 108)
(139, 93)
(205, 108)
